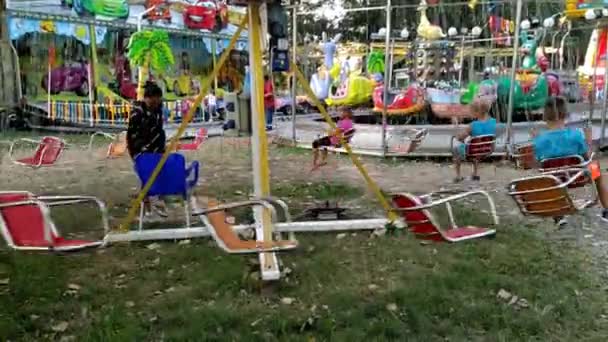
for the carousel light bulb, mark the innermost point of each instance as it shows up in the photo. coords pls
(405, 33)
(382, 31)
(605, 12)
(464, 30)
(549, 22)
(525, 24)
(452, 31)
(476, 31)
(590, 15)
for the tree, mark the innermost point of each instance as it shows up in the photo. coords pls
(149, 49)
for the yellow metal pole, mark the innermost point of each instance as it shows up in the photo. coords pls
(214, 57)
(124, 226)
(259, 141)
(370, 182)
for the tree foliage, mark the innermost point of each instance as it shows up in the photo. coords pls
(358, 26)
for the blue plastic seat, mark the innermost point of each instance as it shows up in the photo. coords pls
(174, 179)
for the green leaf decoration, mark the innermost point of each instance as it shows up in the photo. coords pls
(152, 46)
(375, 63)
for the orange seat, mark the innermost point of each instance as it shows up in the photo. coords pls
(547, 195)
(423, 224)
(223, 233)
(25, 222)
(118, 147)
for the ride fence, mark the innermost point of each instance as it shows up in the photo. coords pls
(113, 114)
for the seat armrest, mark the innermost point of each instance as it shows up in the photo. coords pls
(52, 201)
(249, 203)
(103, 134)
(194, 167)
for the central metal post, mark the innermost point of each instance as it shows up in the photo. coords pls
(294, 42)
(513, 71)
(605, 92)
(259, 141)
(387, 71)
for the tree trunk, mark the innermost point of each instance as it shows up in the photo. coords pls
(9, 91)
(142, 74)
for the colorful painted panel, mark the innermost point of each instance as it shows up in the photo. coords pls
(200, 15)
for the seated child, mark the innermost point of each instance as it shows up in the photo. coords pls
(483, 125)
(559, 141)
(333, 139)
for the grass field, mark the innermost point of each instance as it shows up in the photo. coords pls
(347, 287)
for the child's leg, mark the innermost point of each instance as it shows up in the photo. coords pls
(602, 192)
(457, 164)
(147, 205)
(475, 175)
(315, 152)
(315, 156)
(324, 156)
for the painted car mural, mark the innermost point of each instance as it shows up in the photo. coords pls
(206, 15)
(107, 8)
(160, 12)
(68, 78)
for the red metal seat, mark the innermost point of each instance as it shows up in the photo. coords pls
(199, 139)
(25, 222)
(566, 167)
(523, 155)
(480, 147)
(47, 153)
(421, 222)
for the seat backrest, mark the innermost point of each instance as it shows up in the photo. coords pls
(480, 147)
(568, 165)
(23, 224)
(49, 150)
(419, 222)
(542, 196)
(201, 136)
(118, 147)
(172, 178)
(525, 156)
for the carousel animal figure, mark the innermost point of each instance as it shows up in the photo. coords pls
(531, 82)
(425, 29)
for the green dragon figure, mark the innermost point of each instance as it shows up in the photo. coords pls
(531, 86)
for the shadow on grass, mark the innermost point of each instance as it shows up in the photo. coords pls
(354, 288)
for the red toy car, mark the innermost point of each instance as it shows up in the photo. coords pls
(206, 15)
(160, 12)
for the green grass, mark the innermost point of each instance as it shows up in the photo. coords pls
(351, 289)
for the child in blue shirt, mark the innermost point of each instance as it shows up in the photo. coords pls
(560, 141)
(483, 125)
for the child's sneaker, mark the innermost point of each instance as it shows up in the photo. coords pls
(604, 215)
(159, 207)
(560, 222)
(475, 178)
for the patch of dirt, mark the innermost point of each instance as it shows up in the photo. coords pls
(226, 166)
